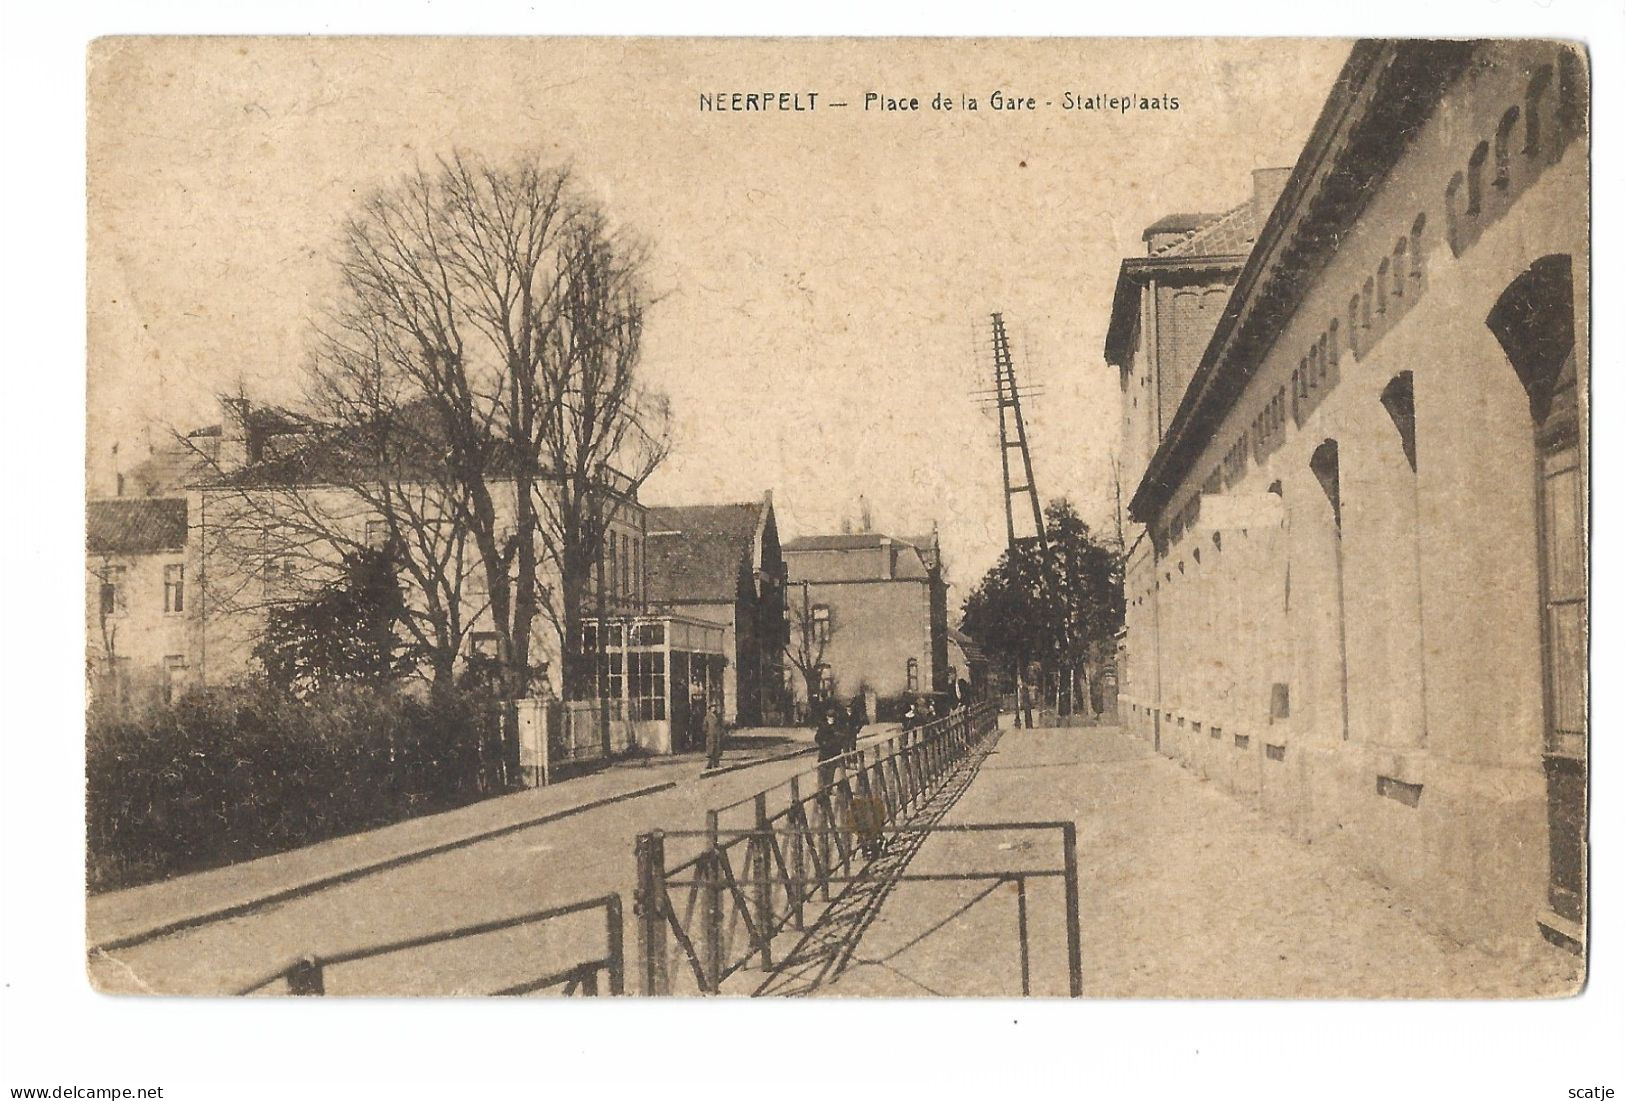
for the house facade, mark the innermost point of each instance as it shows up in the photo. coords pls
(141, 621)
(723, 564)
(265, 519)
(879, 606)
(1358, 598)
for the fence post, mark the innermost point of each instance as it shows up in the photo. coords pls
(305, 977)
(616, 955)
(1074, 947)
(1021, 932)
(650, 907)
(764, 882)
(713, 906)
(798, 853)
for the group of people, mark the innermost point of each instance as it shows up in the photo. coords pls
(835, 731)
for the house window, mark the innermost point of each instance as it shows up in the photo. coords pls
(280, 572)
(377, 534)
(175, 588)
(112, 590)
(913, 674)
(647, 674)
(174, 676)
(486, 644)
(820, 622)
(826, 681)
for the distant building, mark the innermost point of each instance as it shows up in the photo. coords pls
(257, 511)
(967, 662)
(882, 603)
(723, 564)
(1358, 599)
(141, 623)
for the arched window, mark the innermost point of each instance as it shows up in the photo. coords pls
(1382, 286)
(1475, 178)
(1354, 326)
(913, 674)
(1452, 199)
(1399, 268)
(1503, 148)
(1334, 353)
(1324, 464)
(1539, 82)
(1571, 92)
(1416, 249)
(1399, 400)
(1365, 304)
(1325, 467)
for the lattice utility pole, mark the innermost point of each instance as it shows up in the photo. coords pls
(1006, 395)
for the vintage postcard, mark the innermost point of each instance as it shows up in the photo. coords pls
(1096, 518)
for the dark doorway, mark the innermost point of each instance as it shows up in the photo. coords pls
(1534, 322)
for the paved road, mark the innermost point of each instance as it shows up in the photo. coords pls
(587, 854)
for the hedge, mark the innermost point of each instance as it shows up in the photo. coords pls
(217, 777)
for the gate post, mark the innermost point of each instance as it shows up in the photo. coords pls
(798, 853)
(616, 953)
(713, 906)
(650, 908)
(764, 882)
(305, 977)
(1074, 948)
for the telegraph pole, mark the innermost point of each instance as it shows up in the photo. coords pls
(1006, 397)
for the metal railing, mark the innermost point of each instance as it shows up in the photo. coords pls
(759, 877)
(307, 974)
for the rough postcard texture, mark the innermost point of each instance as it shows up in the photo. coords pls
(815, 517)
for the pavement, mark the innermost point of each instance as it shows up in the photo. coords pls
(208, 933)
(1186, 893)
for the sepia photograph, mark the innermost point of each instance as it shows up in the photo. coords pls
(837, 518)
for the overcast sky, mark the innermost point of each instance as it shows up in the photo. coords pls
(823, 275)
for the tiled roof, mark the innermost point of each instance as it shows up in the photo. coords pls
(1176, 223)
(135, 525)
(857, 541)
(1229, 234)
(697, 552)
(908, 567)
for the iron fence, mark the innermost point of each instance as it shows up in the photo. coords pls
(718, 911)
(307, 974)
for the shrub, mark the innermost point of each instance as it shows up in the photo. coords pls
(220, 776)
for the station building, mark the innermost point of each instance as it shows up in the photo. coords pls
(1356, 594)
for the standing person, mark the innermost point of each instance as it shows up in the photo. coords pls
(828, 738)
(857, 716)
(714, 731)
(911, 717)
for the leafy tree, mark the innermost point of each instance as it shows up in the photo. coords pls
(1060, 612)
(348, 631)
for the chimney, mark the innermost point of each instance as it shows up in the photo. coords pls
(233, 454)
(1268, 183)
(863, 512)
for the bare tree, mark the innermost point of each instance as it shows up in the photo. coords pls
(604, 434)
(474, 391)
(811, 629)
